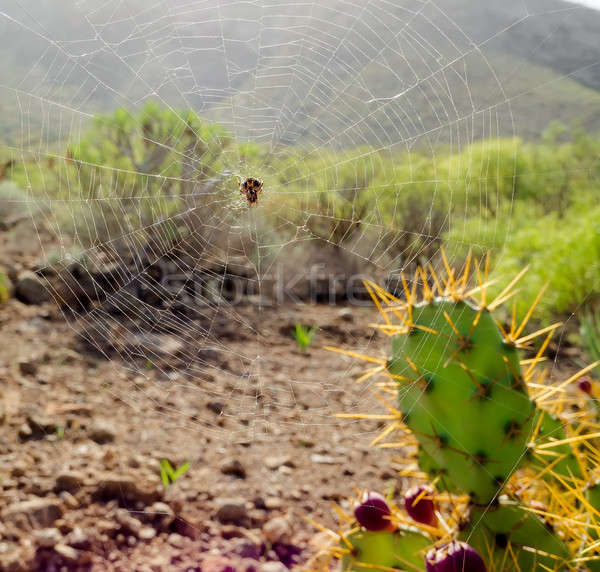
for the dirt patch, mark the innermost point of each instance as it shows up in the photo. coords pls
(83, 437)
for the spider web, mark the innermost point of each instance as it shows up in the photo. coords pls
(298, 79)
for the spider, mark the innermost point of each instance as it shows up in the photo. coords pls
(251, 188)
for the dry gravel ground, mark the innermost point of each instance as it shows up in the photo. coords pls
(81, 438)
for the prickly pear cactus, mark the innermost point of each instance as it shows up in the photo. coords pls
(511, 452)
(463, 396)
(512, 538)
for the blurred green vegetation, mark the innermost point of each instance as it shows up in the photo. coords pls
(128, 171)
(529, 203)
(590, 337)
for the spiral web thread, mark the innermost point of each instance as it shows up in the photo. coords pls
(274, 73)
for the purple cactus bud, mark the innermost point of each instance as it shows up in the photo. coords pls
(585, 384)
(419, 505)
(373, 513)
(455, 556)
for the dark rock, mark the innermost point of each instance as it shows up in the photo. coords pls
(216, 407)
(187, 526)
(29, 289)
(27, 367)
(37, 427)
(102, 432)
(35, 513)
(233, 467)
(231, 511)
(70, 481)
(126, 490)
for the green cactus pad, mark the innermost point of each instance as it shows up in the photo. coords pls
(592, 495)
(402, 550)
(464, 399)
(533, 543)
(593, 565)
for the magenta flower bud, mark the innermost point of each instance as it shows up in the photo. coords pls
(419, 505)
(373, 513)
(585, 384)
(455, 556)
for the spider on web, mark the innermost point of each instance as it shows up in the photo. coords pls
(251, 188)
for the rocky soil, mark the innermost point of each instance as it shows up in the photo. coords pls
(91, 405)
(82, 438)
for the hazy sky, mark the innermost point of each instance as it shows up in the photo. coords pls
(590, 3)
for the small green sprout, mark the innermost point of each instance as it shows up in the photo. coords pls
(4, 287)
(60, 432)
(168, 475)
(304, 336)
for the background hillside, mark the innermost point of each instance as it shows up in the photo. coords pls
(318, 72)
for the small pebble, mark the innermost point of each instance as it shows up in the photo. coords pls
(48, 537)
(277, 529)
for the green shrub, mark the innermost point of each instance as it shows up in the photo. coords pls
(129, 170)
(133, 173)
(563, 252)
(590, 336)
